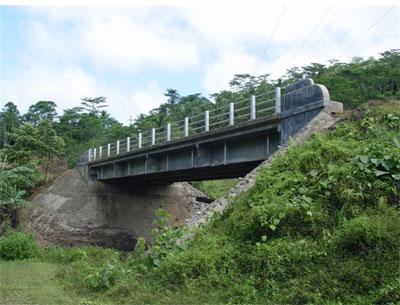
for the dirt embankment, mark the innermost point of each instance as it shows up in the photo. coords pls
(72, 211)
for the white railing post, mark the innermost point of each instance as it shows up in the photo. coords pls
(100, 152)
(153, 136)
(118, 147)
(94, 153)
(252, 107)
(140, 140)
(207, 121)
(231, 114)
(186, 130)
(278, 99)
(90, 154)
(128, 144)
(108, 149)
(169, 132)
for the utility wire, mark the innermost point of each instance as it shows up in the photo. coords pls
(366, 31)
(270, 39)
(311, 34)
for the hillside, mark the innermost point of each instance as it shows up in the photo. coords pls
(321, 225)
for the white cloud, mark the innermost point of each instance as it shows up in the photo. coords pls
(70, 53)
(240, 44)
(218, 74)
(118, 41)
(146, 98)
(66, 87)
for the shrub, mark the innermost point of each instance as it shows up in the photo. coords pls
(365, 234)
(17, 245)
(107, 275)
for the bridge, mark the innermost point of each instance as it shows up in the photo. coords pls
(225, 142)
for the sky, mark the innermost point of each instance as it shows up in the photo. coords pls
(132, 54)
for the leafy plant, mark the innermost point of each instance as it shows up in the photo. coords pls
(166, 240)
(17, 245)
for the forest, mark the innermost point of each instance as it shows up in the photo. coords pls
(321, 225)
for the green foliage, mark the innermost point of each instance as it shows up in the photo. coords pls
(215, 188)
(166, 240)
(106, 276)
(41, 111)
(14, 184)
(17, 245)
(364, 235)
(9, 119)
(40, 143)
(316, 228)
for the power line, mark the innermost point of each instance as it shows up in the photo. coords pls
(270, 39)
(311, 34)
(366, 31)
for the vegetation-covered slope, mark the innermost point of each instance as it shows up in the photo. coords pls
(320, 226)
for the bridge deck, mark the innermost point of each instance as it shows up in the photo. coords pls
(227, 152)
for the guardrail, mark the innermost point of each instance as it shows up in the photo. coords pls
(235, 113)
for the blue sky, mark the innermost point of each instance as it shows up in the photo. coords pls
(132, 54)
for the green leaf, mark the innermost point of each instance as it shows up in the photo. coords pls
(388, 164)
(324, 183)
(314, 172)
(364, 159)
(264, 237)
(276, 221)
(396, 142)
(307, 199)
(303, 190)
(377, 162)
(272, 227)
(281, 215)
(381, 173)
(309, 213)
(396, 176)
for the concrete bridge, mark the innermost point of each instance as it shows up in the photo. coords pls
(226, 142)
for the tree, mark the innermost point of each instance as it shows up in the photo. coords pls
(173, 96)
(52, 146)
(39, 143)
(9, 119)
(313, 71)
(242, 82)
(42, 110)
(294, 74)
(14, 184)
(94, 105)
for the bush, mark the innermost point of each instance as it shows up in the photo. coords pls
(365, 234)
(17, 245)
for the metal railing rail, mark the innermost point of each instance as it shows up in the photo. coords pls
(234, 113)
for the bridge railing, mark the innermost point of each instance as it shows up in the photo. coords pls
(233, 114)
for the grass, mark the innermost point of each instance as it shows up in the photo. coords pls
(33, 282)
(215, 188)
